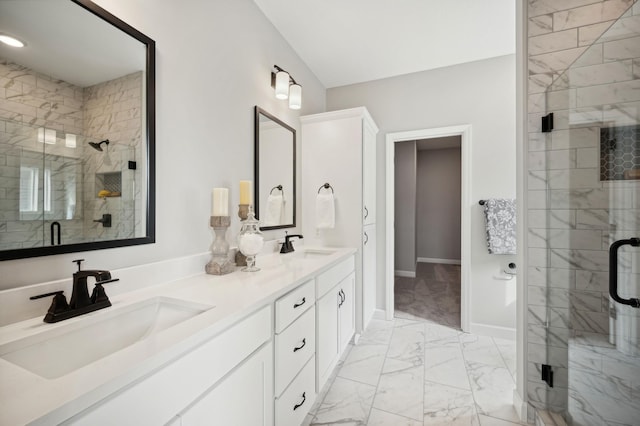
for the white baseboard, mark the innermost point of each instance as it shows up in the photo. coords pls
(380, 314)
(407, 274)
(493, 331)
(520, 406)
(435, 260)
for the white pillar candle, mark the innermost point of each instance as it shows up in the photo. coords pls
(245, 192)
(220, 205)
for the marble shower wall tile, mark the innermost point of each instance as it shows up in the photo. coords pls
(539, 7)
(590, 14)
(553, 41)
(552, 219)
(551, 277)
(552, 336)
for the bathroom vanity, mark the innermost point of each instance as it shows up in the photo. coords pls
(243, 349)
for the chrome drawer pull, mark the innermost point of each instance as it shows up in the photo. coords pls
(304, 398)
(301, 303)
(304, 342)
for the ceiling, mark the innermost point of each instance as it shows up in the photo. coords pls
(351, 41)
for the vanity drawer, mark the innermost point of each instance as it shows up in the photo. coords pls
(297, 400)
(294, 304)
(294, 347)
(327, 280)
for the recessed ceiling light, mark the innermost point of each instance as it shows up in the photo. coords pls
(11, 41)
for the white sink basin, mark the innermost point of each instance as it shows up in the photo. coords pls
(313, 253)
(61, 350)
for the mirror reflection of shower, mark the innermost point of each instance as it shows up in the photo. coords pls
(97, 146)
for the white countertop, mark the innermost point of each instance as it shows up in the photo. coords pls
(28, 398)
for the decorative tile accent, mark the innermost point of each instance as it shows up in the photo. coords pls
(619, 153)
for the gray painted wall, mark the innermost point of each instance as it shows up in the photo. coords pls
(481, 94)
(405, 206)
(438, 204)
(204, 126)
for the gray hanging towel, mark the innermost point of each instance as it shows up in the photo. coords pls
(501, 225)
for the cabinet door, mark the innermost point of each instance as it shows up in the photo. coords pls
(368, 174)
(327, 344)
(368, 273)
(244, 398)
(346, 317)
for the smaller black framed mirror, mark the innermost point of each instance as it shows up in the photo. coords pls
(274, 171)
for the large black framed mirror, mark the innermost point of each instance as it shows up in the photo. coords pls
(274, 171)
(77, 130)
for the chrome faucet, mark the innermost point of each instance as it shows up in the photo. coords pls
(80, 302)
(287, 247)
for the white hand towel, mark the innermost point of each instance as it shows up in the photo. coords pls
(325, 211)
(275, 210)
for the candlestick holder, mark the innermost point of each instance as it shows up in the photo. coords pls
(220, 264)
(243, 211)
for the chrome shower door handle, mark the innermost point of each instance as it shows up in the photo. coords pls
(613, 272)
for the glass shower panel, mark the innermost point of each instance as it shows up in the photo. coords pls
(21, 186)
(592, 183)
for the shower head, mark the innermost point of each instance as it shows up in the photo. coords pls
(96, 145)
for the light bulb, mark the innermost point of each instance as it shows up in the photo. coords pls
(295, 96)
(282, 85)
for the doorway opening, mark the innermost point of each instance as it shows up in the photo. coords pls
(427, 234)
(447, 265)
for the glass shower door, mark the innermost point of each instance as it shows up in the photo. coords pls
(592, 185)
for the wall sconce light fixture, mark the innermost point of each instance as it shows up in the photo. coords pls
(286, 87)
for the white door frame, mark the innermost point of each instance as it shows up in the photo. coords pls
(464, 131)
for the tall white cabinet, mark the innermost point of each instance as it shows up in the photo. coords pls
(339, 148)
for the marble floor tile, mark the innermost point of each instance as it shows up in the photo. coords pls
(346, 403)
(507, 349)
(492, 390)
(382, 418)
(407, 344)
(434, 331)
(444, 364)
(364, 363)
(378, 332)
(400, 392)
(433, 295)
(412, 371)
(447, 405)
(492, 421)
(481, 349)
